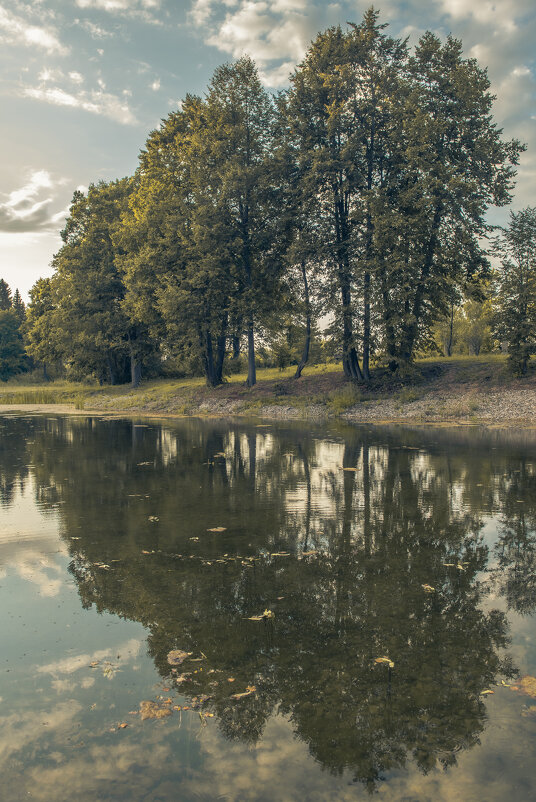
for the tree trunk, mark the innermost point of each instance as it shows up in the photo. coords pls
(305, 354)
(111, 371)
(451, 330)
(135, 364)
(45, 374)
(220, 351)
(252, 374)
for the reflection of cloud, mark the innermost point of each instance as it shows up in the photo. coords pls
(69, 665)
(18, 731)
(32, 566)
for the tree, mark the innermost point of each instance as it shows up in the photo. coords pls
(452, 164)
(90, 327)
(40, 344)
(515, 319)
(5, 295)
(241, 118)
(12, 356)
(19, 306)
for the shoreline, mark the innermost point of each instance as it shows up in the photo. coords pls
(461, 391)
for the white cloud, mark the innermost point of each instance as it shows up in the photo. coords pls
(96, 101)
(96, 31)
(270, 32)
(21, 32)
(76, 77)
(25, 209)
(155, 86)
(141, 9)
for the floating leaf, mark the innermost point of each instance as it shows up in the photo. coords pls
(177, 656)
(280, 554)
(230, 679)
(485, 693)
(385, 660)
(264, 617)
(94, 664)
(152, 710)
(143, 551)
(122, 726)
(460, 567)
(217, 529)
(450, 565)
(153, 518)
(309, 553)
(527, 685)
(250, 689)
(350, 469)
(428, 588)
(220, 454)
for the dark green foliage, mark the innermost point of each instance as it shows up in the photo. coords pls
(12, 357)
(515, 319)
(5, 295)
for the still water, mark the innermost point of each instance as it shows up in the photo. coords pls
(242, 581)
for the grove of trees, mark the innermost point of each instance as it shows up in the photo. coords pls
(356, 197)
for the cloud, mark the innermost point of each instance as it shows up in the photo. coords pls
(96, 31)
(27, 209)
(155, 86)
(95, 101)
(140, 9)
(21, 32)
(276, 34)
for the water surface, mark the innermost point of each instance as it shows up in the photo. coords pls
(416, 546)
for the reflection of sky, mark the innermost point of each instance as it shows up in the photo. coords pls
(57, 712)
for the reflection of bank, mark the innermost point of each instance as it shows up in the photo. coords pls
(380, 520)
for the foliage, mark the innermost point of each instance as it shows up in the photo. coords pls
(515, 319)
(12, 357)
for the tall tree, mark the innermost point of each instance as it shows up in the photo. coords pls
(90, 326)
(41, 345)
(12, 357)
(241, 118)
(515, 319)
(5, 295)
(451, 164)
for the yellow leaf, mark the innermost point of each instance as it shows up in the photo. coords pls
(428, 588)
(385, 660)
(484, 693)
(217, 529)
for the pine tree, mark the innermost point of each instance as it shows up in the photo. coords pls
(5, 296)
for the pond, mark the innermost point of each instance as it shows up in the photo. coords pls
(215, 610)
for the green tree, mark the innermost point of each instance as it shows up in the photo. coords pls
(38, 326)
(89, 325)
(19, 306)
(5, 295)
(12, 357)
(515, 318)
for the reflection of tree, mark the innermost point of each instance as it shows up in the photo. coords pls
(516, 547)
(401, 520)
(13, 456)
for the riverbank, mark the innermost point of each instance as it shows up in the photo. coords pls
(461, 390)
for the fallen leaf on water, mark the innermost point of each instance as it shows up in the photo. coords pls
(153, 518)
(308, 553)
(264, 617)
(94, 663)
(526, 685)
(122, 726)
(152, 710)
(249, 690)
(506, 684)
(143, 551)
(144, 463)
(217, 529)
(230, 679)
(460, 567)
(385, 660)
(280, 554)
(195, 539)
(485, 693)
(220, 454)
(350, 469)
(450, 565)
(428, 588)
(177, 656)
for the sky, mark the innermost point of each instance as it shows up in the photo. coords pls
(83, 82)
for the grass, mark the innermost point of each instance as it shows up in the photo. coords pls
(461, 380)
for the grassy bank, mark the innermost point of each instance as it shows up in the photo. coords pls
(456, 389)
